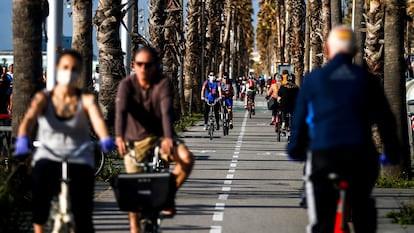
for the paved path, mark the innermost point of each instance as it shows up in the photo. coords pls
(240, 183)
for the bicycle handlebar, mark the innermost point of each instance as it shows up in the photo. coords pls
(74, 153)
(212, 103)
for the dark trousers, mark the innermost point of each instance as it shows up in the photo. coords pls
(359, 166)
(216, 112)
(46, 184)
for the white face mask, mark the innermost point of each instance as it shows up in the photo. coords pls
(211, 78)
(66, 77)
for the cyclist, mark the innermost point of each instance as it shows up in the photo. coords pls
(336, 107)
(287, 97)
(63, 116)
(251, 88)
(143, 116)
(274, 87)
(211, 91)
(228, 93)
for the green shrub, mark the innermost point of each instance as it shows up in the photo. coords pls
(394, 183)
(405, 215)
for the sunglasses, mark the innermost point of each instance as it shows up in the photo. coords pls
(146, 64)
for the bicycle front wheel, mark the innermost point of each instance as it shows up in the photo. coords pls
(99, 161)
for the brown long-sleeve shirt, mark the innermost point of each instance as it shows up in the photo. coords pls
(140, 112)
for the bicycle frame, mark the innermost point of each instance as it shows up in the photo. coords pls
(64, 219)
(155, 168)
(225, 119)
(211, 117)
(342, 216)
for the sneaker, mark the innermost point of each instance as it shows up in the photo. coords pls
(169, 212)
(272, 123)
(245, 106)
(169, 209)
(205, 127)
(217, 127)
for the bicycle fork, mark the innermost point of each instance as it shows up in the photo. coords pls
(342, 211)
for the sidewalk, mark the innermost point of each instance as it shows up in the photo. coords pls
(390, 200)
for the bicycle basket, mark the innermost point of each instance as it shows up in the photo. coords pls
(134, 192)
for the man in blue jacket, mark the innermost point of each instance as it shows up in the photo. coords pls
(335, 110)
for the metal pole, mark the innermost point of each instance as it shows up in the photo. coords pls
(126, 39)
(54, 43)
(203, 35)
(181, 71)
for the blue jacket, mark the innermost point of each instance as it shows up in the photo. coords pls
(336, 107)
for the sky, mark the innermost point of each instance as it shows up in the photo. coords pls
(6, 14)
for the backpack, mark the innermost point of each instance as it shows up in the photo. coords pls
(250, 82)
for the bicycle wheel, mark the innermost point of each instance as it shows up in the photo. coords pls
(210, 131)
(249, 108)
(99, 161)
(278, 129)
(147, 226)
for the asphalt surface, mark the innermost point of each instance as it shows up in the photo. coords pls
(242, 182)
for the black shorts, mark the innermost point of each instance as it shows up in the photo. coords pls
(46, 184)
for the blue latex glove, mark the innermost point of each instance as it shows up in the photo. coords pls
(384, 160)
(107, 144)
(21, 146)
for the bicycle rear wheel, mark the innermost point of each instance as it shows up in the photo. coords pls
(278, 129)
(99, 161)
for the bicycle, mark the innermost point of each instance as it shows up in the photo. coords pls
(5, 138)
(343, 212)
(282, 125)
(278, 124)
(211, 117)
(145, 192)
(63, 220)
(250, 108)
(225, 119)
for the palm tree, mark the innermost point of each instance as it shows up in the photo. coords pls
(156, 25)
(27, 51)
(107, 19)
(192, 64)
(316, 33)
(82, 37)
(394, 81)
(214, 11)
(374, 38)
(336, 12)
(172, 51)
(360, 36)
(297, 37)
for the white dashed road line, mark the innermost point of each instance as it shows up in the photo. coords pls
(218, 214)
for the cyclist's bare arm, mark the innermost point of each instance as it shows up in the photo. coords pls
(202, 92)
(37, 105)
(95, 115)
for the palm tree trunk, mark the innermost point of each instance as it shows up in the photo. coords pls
(156, 25)
(360, 36)
(27, 52)
(192, 63)
(374, 39)
(394, 81)
(225, 43)
(316, 35)
(111, 63)
(171, 54)
(307, 41)
(82, 38)
(336, 12)
(297, 38)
